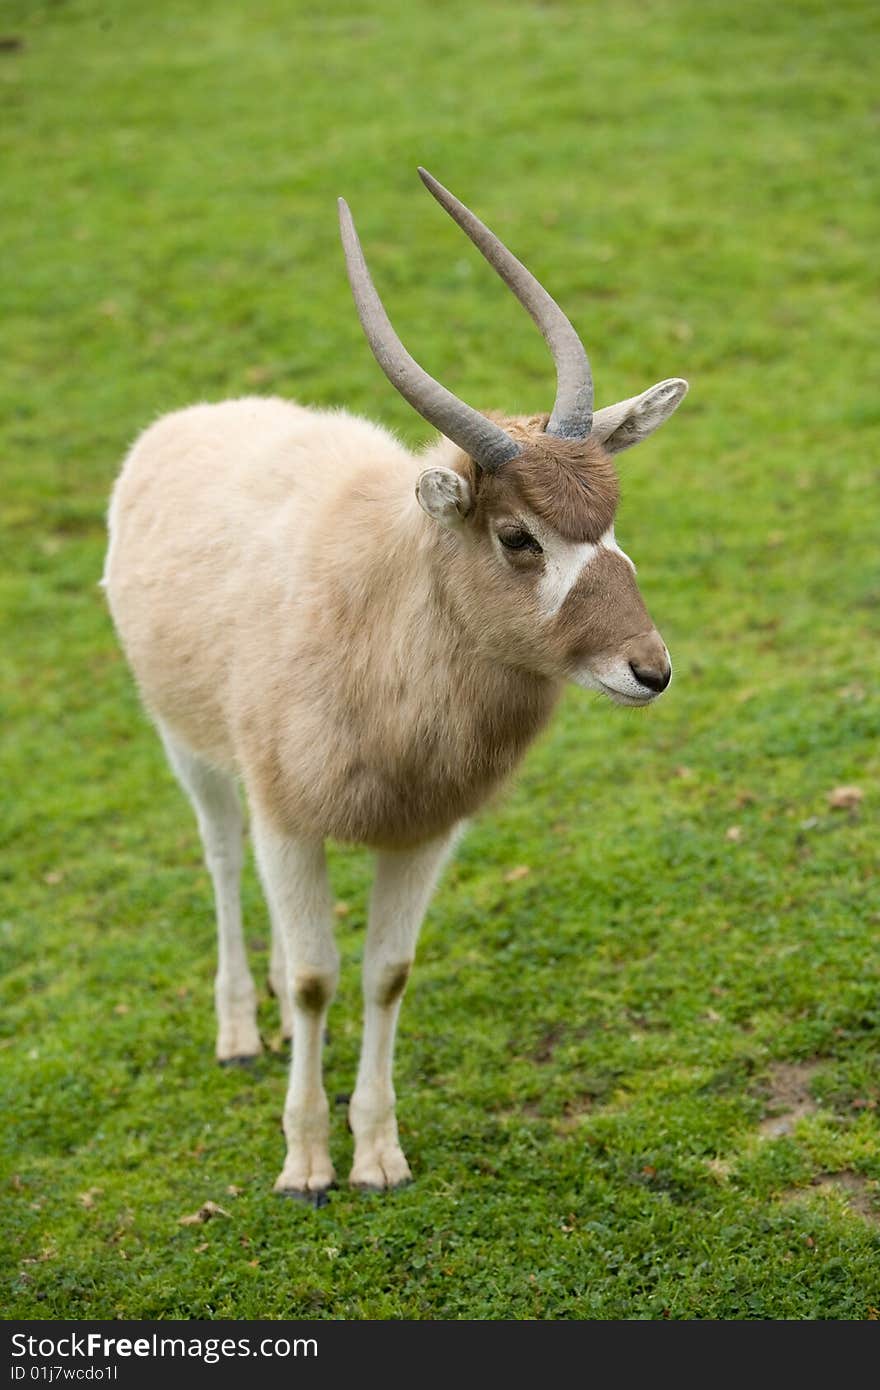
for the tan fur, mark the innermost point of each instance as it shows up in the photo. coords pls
(291, 613)
(371, 661)
(293, 616)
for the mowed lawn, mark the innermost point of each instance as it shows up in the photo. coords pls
(639, 1060)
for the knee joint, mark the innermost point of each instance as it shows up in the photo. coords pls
(392, 982)
(312, 991)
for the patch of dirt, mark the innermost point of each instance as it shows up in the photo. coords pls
(787, 1097)
(573, 1112)
(862, 1195)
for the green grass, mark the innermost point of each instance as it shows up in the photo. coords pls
(586, 1053)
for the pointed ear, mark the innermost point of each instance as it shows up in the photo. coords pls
(620, 426)
(444, 495)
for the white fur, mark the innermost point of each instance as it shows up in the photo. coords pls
(401, 892)
(565, 562)
(215, 800)
(294, 876)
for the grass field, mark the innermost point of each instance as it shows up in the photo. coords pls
(642, 1079)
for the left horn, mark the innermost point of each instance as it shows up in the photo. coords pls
(572, 416)
(487, 443)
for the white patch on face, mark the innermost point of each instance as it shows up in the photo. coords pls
(564, 563)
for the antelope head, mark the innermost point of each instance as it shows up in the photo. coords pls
(531, 502)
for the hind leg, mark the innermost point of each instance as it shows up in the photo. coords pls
(215, 799)
(278, 982)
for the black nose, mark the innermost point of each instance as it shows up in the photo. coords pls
(651, 677)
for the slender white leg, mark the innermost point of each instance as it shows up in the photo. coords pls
(279, 984)
(215, 798)
(404, 883)
(294, 874)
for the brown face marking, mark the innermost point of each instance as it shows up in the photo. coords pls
(602, 611)
(568, 608)
(570, 484)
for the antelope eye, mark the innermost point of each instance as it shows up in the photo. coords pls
(519, 539)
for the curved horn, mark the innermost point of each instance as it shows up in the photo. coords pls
(486, 443)
(572, 416)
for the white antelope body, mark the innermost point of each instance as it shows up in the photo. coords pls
(367, 640)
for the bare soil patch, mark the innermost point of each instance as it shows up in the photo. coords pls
(862, 1195)
(788, 1097)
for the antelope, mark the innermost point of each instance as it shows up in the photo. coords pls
(367, 639)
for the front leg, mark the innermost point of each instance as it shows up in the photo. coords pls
(404, 882)
(294, 874)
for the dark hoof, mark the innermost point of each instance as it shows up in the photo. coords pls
(305, 1198)
(247, 1059)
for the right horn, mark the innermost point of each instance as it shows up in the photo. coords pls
(572, 416)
